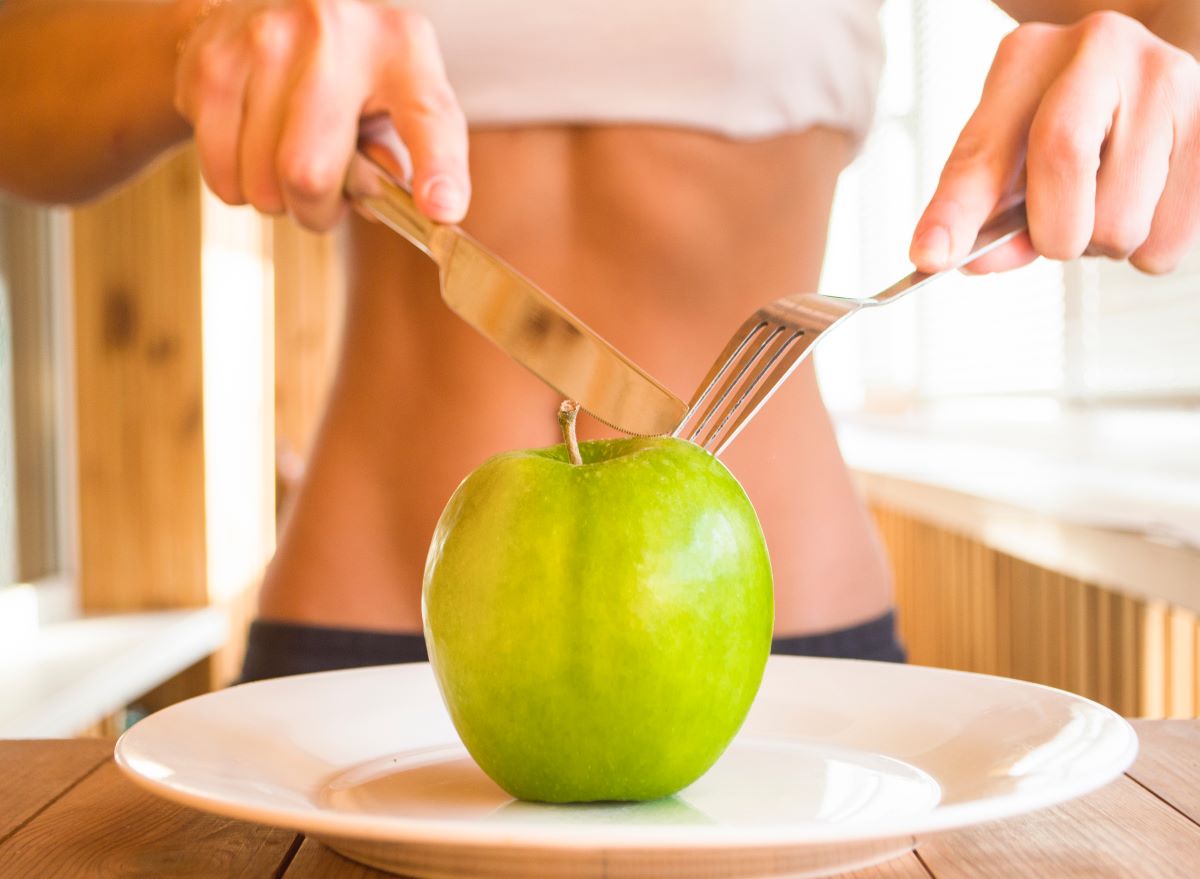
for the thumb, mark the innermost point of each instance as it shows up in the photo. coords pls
(976, 178)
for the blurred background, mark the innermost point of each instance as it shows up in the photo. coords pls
(1029, 443)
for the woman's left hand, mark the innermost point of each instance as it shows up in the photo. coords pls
(1102, 120)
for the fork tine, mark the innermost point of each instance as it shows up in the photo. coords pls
(781, 340)
(731, 372)
(792, 353)
(733, 347)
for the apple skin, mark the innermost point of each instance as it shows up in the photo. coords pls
(598, 631)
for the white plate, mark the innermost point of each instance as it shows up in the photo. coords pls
(840, 764)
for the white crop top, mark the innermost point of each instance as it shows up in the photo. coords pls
(742, 68)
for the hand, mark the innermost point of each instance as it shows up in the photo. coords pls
(275, 90)
(1102, 120)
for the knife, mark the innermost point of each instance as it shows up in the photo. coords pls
(512, 311)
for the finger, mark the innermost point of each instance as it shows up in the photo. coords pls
(216, 136)
(1017, 252)
(272, 40)
(1176, 223)
(986, 159)
(413, 88)
(1065, 142)
(318, 139)
(1133, 173)
(380, 131)
(210, 92)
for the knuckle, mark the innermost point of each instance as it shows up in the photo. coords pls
(969, 153)
(1171, 71)
(1015, 45)
(211, 66)
(1119, 234)
(310, 177)
(269, 33)
(1181, 66)
(1105, 25)
(309, 14)
(417, 26)
(407, 23)
(1061, 142)
(208, 76)
(436, 102)
(1011, 46)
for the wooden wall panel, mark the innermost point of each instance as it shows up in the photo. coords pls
(139, 387)
(1181, 664)
(174, 324)
(964, 605)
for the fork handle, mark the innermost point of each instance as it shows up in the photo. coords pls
(999, 230)
(375, 183)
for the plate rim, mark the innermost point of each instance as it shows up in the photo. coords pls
(404, 830)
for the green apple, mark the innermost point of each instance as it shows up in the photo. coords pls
(598, 629)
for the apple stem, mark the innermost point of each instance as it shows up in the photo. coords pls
(567, 414)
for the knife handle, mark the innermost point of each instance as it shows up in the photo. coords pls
(374, 183)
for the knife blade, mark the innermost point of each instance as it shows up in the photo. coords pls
(514, 313)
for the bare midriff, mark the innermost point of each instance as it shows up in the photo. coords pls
(664, 241)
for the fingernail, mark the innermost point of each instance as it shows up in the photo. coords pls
(443, 196)
(932, 247)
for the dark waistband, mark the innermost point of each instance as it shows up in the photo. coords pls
(275, 648)
(875, 639)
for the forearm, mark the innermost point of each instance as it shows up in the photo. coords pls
(85, 93)
(1176, 21)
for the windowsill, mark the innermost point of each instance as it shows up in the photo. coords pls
(1112, 497)
(66, 676)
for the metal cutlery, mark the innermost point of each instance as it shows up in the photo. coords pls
(769, 346)
(513, 312)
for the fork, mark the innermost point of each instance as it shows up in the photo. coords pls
(775, 340)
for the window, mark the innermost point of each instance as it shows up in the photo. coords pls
(1086, 335)
(34, 383)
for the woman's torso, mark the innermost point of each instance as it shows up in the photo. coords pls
(663, 239)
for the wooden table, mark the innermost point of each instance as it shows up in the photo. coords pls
(66, 811)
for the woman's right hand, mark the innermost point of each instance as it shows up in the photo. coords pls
(275, 90)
